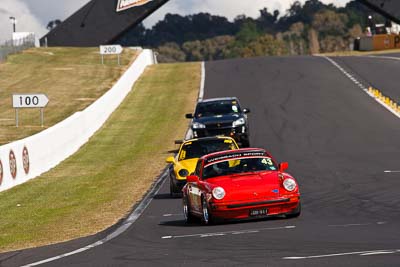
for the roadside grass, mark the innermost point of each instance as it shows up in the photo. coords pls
(358, 53)
(98, 185)
(72, 78)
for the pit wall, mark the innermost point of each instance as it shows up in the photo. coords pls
(25, 159)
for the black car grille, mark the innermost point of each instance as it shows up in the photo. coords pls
(215, 126)
(218, 132)
(223, 128)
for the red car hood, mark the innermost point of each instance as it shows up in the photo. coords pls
(249, 186)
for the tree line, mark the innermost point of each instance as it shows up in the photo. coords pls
(312, 27)
(309, 28)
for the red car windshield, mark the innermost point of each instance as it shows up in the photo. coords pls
(238, 165)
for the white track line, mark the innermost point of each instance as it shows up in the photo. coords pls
(363, 87)
(348, 75)
(385, 57)
(189, 133)
(360, 253)
(203, 80)
(356, 224)
(126, 224)
(237, 232)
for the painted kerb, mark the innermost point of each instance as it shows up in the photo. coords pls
(39, 153)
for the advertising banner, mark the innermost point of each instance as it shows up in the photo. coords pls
(386, 41)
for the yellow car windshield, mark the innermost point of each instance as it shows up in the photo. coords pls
(199, 148)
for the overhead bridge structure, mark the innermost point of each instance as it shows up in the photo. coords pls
(100, 22)
(388, 8)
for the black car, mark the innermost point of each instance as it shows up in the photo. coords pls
(221, 116)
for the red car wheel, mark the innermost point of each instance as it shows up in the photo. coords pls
(295, 213)
(186, 211)
(206, 218)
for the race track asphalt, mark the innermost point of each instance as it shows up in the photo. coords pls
(380, 72)
(338, 141)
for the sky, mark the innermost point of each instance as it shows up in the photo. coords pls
(34, 15)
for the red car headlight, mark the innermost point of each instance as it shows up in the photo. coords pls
(218, 193)
(289, 184)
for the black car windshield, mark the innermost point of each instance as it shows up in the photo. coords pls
(216, 108)
(199, 148)
(239, 165)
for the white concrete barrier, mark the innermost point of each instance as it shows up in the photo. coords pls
(28, 158)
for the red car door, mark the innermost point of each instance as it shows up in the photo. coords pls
(195, 196)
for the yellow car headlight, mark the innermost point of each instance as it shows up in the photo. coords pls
(183, 172)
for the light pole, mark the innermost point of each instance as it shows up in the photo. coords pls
(13, 20)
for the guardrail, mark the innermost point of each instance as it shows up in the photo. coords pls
(28, 158)
(15, 46)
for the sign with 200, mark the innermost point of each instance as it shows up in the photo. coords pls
(110, 49)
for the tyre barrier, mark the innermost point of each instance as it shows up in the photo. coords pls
(25, 159)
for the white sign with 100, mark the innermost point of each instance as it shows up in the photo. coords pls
(29, 101)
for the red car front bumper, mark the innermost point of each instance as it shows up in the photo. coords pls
(254, 208)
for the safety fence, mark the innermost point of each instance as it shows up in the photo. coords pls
(15, 46)
(27, 158)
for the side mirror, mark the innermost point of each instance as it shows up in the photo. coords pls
(283, 166)
(246, 110)
(192, 179)
(170, 160)
(189, 116)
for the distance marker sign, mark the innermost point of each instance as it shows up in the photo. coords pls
(110, 49)
(29, 100)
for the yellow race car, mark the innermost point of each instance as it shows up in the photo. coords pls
(184, 163)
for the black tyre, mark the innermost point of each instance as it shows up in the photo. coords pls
(295, 213)
(173, 190)
(206, 217)
(189, 218)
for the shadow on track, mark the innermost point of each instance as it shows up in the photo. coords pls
(182, 223)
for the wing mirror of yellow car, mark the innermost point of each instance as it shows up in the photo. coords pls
(192, 179)
(283, 166)
(170, 160)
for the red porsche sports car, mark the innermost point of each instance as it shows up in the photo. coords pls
(240, 184)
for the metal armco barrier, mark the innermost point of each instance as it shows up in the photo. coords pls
(28, 158)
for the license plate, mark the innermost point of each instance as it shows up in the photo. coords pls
(259, 212)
